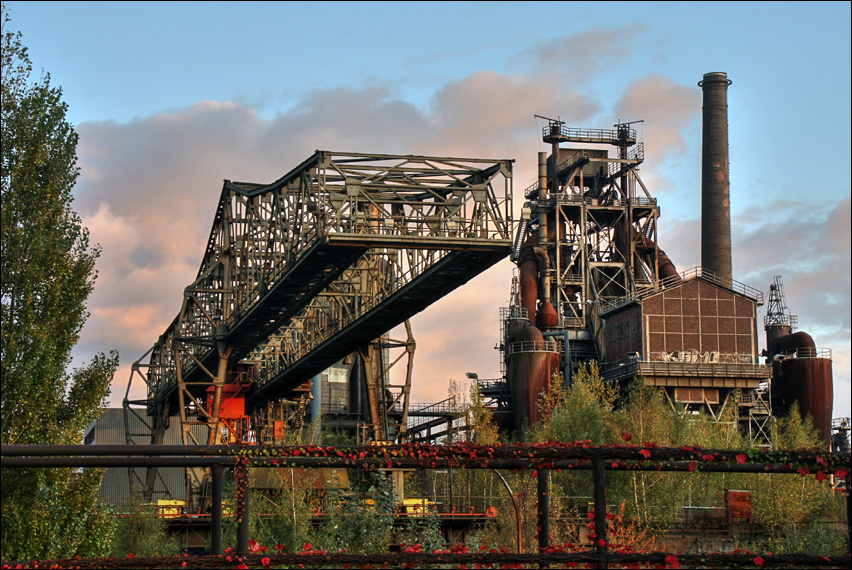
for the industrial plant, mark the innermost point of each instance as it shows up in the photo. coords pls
(286, 327)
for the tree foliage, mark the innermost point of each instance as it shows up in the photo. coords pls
(360, 523)
(142, 533)
(479, 419)
(48, 272)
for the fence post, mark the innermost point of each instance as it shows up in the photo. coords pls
(599, 481)
(543, 509)
(243, 526)
(216, 515)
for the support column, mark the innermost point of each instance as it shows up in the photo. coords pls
(543, 509)
(157, 438)
(216, 514)
(316, 408)
(599, 482)
(245, 508)
(218, 384)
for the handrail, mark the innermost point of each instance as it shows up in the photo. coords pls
(684, 277)
(642, 201)
(532, 346)
(634, 157)
(606, 135)
(807, 352)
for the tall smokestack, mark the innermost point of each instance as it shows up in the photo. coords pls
(715, 187)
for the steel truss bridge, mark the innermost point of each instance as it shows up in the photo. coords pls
(301, 272)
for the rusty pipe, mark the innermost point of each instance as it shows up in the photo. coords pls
(542, 197)
(544, 273)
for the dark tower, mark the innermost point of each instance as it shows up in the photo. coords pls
(715, 186)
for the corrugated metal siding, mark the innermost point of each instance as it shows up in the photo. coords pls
(109, 428)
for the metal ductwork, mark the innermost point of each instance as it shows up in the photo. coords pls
(715, 185)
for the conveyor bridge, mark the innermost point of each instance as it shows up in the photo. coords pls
(300, 272)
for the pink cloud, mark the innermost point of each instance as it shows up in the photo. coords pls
(667, 108)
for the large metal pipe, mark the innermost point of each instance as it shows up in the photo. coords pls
(529, 276)
(542, 197)
(715, 184)
(528, 373)
(546, 316)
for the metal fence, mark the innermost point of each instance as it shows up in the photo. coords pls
(596, 460)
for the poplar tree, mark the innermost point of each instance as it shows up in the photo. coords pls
(48, 271)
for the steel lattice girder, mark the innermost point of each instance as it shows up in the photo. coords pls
(338, 251)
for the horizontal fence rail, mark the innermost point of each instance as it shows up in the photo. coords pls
(538, 457)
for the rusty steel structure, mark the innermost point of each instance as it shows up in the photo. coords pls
(303, 278)
(587, 235)
(304, 272)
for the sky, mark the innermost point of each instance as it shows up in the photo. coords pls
(171, 98)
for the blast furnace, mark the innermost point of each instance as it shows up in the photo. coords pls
(592, 283)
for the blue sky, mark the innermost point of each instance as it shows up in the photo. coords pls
(170, 98)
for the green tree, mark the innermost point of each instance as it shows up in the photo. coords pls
(579, 412)
(47, 272)
(784, 501)
(481, 428)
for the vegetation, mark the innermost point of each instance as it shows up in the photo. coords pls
(361, 520)
(142, 533)
(47, 272)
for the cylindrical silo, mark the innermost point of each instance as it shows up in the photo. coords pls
(530, 367)
(804, 376)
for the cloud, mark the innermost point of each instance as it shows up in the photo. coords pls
(584, 55)
(668, 110)
(457, 334)
(486, 109)
(811, 250)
